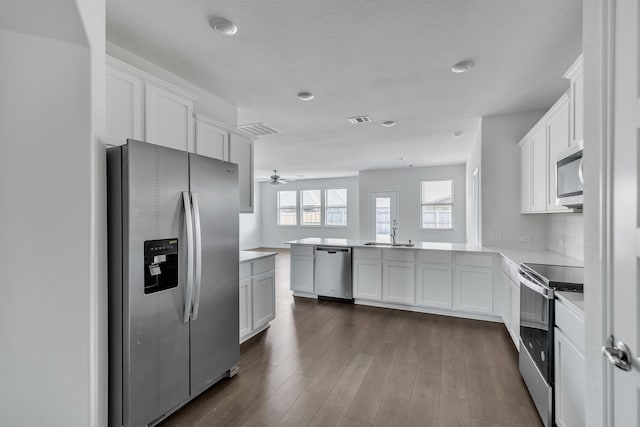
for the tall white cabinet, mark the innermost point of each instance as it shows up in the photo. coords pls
(241, 152)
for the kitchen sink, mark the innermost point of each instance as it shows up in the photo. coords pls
(390, 245)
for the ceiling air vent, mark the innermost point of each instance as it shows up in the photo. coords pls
(359, 119)
(257, 129)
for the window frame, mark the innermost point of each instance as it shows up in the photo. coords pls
(452, 204)
(326, 206)
(301, 208)
(297, 207)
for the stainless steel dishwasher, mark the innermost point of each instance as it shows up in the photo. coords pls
(332, 275)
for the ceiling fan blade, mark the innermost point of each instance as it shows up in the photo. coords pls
(281, 181)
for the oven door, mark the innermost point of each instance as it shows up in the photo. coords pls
(536, 324)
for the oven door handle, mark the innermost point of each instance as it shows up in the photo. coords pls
(545, 292)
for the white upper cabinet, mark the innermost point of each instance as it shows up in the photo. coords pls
(575, 74)
(558, 133)
(211, 139)
(525, 175)
(168, 118)
(123, 107)
(241, 153)
(539, 169)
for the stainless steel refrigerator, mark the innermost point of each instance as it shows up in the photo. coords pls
(173, 279)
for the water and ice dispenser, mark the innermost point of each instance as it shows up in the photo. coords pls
(160, 265)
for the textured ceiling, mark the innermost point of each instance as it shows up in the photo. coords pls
(388, 59)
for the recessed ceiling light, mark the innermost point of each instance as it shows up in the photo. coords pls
(458, 134)
(462, 66)
(223, 25)
(388, 123)
(305, 96)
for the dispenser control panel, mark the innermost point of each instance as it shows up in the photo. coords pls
(160, 265)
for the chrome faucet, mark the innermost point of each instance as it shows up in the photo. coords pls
(394, 231)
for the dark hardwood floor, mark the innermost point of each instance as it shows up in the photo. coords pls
(333, 364)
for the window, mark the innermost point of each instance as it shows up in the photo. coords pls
(336, 207)
(437, 204)
(311, 207)
(287, 208)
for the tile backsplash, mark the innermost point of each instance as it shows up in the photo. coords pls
(565, 235)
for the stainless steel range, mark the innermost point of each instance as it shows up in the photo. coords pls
(538, 282)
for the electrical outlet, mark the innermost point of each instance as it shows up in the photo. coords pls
(496, 236)
(525, 238)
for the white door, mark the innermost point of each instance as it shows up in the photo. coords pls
(625, 235)
(383, 211)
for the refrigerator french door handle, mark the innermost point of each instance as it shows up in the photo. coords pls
(198, 252)
(188, 219)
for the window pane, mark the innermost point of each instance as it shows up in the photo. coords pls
(437, 217)
(437, 192)
(383, 219)
(336, 207)
(287, 208)
(311, 207)
(337, 197)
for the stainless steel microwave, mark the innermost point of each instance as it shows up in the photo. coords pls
(569, 177)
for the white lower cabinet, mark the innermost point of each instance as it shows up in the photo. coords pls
(263, 288)
(473, 289)
(514, 324)
(257, 296)
(570, 382)
(302, 273)
(398, 284)
(245, 308)
(434, 285)
(506, 301)
(367, 279)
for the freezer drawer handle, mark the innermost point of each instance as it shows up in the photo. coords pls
(198, 251)
(188, 219)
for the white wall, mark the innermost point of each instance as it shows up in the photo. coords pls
(500, 167)
(251, 223)
(473, 162)
(406, 182)
(274, 235)
(52, 361)
(208, 103)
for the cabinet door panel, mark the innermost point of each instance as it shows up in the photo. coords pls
(262, 298)
(168, 118)
(245, 307)
(211, 141)
(515, 314)
(123, 107)
(570, 383)
(367, 279)
(525, 176)
(506, 301)
(399, 282)
(434, 285)
(241, 153)
(302, 273)
(473, 290)
(558, 141)
(539, 169)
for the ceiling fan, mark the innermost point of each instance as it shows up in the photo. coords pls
(276, 180)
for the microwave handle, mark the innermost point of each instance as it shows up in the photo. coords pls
(580, 174)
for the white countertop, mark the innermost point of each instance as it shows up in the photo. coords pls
(246, 256)
(518, 256)
(574, 299)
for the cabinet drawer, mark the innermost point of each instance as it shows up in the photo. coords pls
(362, 253)
(402, 255)
(302, 250)
(434, 257)
(245, 270)
(570, 323)
(263, 265)
(474, 260)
